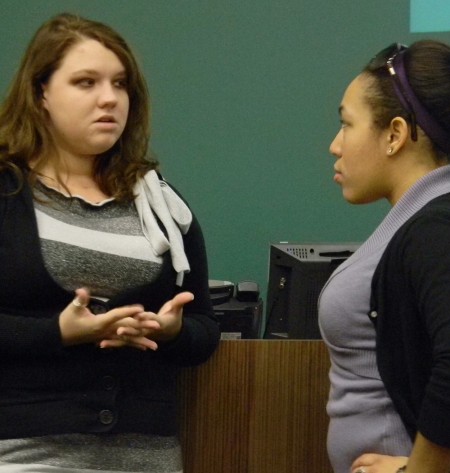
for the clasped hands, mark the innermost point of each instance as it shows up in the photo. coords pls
(122, 326)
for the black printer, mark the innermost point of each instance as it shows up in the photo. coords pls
(238, 308)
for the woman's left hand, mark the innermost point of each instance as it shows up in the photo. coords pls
(147, 328)
(374, 463)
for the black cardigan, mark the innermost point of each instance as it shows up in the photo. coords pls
(46, 388)
(410, 307)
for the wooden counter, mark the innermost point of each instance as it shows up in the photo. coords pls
(257, 406)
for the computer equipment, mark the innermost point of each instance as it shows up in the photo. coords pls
(238, 308)
(297, 274)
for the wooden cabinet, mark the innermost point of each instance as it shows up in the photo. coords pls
(257, 406)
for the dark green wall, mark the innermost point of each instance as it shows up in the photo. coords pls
(245, 96)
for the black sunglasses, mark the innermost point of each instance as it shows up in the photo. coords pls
(385, 58)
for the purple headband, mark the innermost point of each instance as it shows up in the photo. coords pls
(409, 100)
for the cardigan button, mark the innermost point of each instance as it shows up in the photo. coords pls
(109, 383)
(106, 417)
(373, 314)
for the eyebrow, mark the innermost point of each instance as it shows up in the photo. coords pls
(95, 72)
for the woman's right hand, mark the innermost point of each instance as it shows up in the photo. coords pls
(79, 325)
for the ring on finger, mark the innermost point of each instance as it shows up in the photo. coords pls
(77, 303)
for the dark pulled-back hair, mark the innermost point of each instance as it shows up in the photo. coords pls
(24, 135)
(427, 68)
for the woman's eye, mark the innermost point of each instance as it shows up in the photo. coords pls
(121, 83)
(85, 82)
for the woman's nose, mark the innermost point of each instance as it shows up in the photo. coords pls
(108, 95)
(335, 146)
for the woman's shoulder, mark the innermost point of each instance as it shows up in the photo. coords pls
(12, 180)
(165, 183)
(429, 226)
(436, 211)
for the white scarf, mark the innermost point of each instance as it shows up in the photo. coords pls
(154, 196)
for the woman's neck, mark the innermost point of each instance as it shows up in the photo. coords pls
(77, 180)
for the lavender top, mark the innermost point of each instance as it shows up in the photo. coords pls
(357, 395)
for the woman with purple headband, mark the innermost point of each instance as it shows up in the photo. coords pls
(385, 312)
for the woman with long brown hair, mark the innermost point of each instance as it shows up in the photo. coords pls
(104, 284)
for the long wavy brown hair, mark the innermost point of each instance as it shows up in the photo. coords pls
(24, 136)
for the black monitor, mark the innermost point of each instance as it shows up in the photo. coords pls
(297, 274)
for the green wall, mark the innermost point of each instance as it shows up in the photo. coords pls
(245, 97)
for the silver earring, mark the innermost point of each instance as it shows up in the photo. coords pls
(390, 150)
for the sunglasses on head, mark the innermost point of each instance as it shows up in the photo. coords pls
(392, 59)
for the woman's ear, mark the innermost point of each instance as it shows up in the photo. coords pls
(44, 95)
(398, 134)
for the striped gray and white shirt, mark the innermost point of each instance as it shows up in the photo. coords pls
(98, 246)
